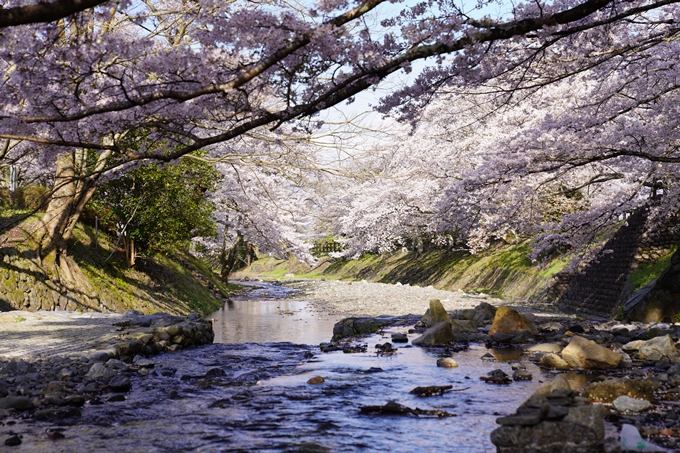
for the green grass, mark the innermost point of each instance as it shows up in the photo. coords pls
(645, 273)
(503, 271)
(173, 281)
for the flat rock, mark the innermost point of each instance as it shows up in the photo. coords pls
(626, 403)
(545, 347)
(608, 390)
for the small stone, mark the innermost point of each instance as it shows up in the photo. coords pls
(316, 380)
(447, 362)
(626, 403)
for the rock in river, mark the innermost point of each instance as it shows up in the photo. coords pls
(583, 353)
(439, 334)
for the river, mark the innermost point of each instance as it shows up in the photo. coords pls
(248, 392)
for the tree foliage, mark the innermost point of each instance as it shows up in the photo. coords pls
(159, 206)
(546, 99)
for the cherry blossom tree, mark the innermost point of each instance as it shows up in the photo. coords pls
(209, 74)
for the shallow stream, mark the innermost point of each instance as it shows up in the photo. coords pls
(254, 396)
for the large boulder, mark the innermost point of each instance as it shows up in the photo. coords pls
(435, 314)
(659, 348)
(583, 353)
(551, 421)
(439, 334)
(507, 321)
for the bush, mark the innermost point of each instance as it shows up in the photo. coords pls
(5, 197)
(33, 196)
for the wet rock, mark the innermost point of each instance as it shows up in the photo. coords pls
(399, 338)
(507, 321)
(552, 420)
(447, 362)
(610, 389)
(522, 375)
(354, 348)
(17, 403)
(394, 408)
(432, 390)
(355, 327)
(496, 377)
(328, 347)
(583, 353)
(551, 360)
(439, 334)
(435, 314)
(626, 403)
(316, 380)
(120, 384)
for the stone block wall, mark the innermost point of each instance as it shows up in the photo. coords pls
(602, 286)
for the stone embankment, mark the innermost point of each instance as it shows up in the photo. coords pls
(52, 363)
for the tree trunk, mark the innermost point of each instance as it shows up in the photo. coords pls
(228, 257)
(130, 253)
(72, 190)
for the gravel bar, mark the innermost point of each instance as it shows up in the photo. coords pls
(377, 299)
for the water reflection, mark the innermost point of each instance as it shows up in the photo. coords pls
(264, 315)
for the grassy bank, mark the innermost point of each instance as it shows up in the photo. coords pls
(504, 271)
(172, 281)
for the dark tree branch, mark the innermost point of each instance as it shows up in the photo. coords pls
(44, 11)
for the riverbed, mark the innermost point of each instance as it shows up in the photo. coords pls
(250, 393)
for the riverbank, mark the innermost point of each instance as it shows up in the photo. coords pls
(503, 271)
(171, 281)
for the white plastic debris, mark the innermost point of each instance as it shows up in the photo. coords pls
(631, 440)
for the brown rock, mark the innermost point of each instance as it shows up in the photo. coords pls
(507, 321)
(316, 380)
(582, 353)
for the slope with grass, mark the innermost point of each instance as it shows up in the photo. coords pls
(173, 281)
(504, 271)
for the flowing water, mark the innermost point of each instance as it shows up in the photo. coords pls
(242, 396)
